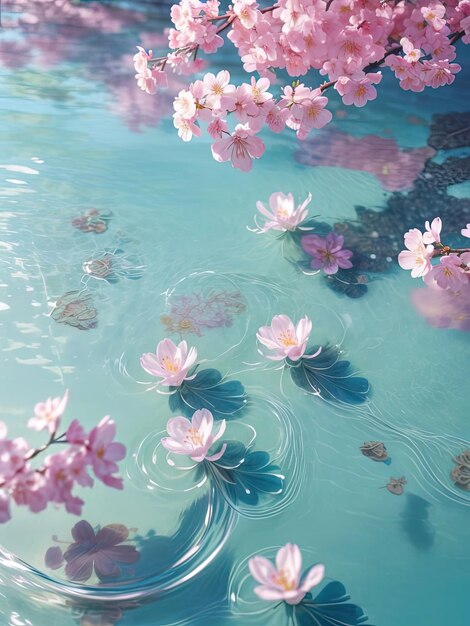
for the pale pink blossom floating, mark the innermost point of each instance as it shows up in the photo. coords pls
(417, 257)
(239, 148)
(284, 215)
(284, 580)
(170, 362)
(194, 438)
(466, 231)
(433, 231)
(286, 340)
(327, 252)
(47, 414)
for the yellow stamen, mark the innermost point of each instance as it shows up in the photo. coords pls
(194, 437)
(282, 579)
(287, 339)
(171, 365)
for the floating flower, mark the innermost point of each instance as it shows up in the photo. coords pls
(283, 581)
(92, 221)
(284, 215)
(194, 438)
(286, 340)
(195, 312)
(418, 256)
(396, 486)
(102, 552)
(466, 231)
(327, 252)
(171, 362)
(433, 231)
(75, 308)
(47, 414)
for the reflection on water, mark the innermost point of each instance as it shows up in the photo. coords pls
(416, 522)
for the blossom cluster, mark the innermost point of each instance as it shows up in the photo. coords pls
(35, 485)
(347, 41)
(453, 270)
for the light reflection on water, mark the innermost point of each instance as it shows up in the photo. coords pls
(80, 136)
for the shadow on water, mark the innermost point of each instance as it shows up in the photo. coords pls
(416, 524)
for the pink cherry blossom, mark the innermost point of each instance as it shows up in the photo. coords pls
(219, 93)
(284, 580)
(171, 362)
(327, 252)
(103, 452)
(285, 339)
(417, 257)
(240, 148)
(259, 90)
(449, 273)
(433, 231)
(47, 414)
(358, 92)
(186, 127)
(434, 14)
(284, 215)
(194, 438)
(246, 11)
(412, 54)
(466, 231)
(185, 104)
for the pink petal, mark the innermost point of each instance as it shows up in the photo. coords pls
(289, 560)
(262, 569)
(313, 577)
(83, 531)
(54, 558)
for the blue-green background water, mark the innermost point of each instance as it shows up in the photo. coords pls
(69, 131)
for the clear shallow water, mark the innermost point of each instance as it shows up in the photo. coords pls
(69, 144)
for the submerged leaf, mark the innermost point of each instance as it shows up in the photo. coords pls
(327, 376)
(328, 608)
(243, 476)
(225, 399)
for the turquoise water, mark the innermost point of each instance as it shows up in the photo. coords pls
(77, 135)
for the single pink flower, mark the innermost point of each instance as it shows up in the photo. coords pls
(433, 231)
(103, 452)
(259, 90)
(434, 15)
(240, 148)
(246, 11)
(47, 414)
(194, 438)
(449, 273)
(185, 104)
(285, 339)
(418, 257)
(283, 581)
(284, 215)
(186, 127)
(171, 362)
(327, 252)
(412, 54)
(466, 231)
(358, 92)
(219, 94)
